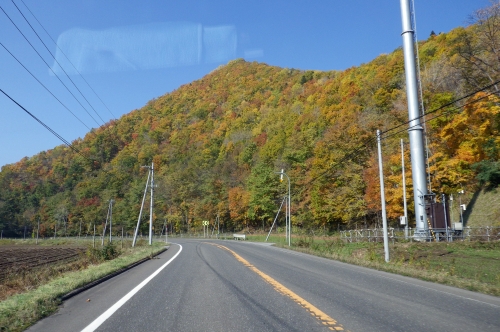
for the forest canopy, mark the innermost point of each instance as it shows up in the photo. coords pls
(217, 143)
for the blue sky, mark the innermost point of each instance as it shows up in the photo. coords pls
(131, 51)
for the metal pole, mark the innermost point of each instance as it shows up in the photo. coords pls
(445, 217)
(105, 226)
(110, 218)
(415, 130)
(37, 230)
(80, 231)
(140, 213)
(289, 213)
(404, 190)
(460, 193)
(151, 207)
(93, 238)
(288, 216)
(382, 198)
(451, 211)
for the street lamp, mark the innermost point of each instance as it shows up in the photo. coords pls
(288, 219)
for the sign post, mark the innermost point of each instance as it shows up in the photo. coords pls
(205, 226)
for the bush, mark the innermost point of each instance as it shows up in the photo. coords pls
(104, 253)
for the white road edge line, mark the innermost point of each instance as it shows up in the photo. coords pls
(102, 318)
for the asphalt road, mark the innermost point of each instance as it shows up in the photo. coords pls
(205, 285)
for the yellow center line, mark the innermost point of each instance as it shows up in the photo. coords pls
(320, 315)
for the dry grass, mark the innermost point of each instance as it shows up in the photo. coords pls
(34, 294)
(24, 279)
(486, 209)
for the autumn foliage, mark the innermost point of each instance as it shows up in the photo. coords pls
(217, 142)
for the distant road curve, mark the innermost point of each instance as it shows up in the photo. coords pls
(240, 286)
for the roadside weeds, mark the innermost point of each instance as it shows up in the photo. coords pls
(20, 311)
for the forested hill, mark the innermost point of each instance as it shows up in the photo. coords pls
(216, 144)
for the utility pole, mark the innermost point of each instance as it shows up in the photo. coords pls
(404, 190)
(460, 193)
(105, 226)
(111, 201)
(288, 215)
(382, 198)
(150, 175)
(142, 206)
(218, 225)
(415, 130)
(166, 231)
(151, 207)
(37, 230)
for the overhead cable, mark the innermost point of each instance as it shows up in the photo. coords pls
(443, 106)
(55, 43)
(45, 87)
(440, 115)
(49, 66)
(60, 66)
(369, 142)
(46, 126)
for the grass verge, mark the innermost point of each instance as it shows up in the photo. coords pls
(20, 311)
(469, 265)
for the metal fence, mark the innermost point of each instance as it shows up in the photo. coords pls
(486, 233)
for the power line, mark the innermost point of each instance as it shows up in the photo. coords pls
(370, 141)
(55, 43)
(46, 126)
(48, 66)
(444, 113)
(443, 106)
(69, 78)
(45, 87)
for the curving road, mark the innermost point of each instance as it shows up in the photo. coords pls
(206, 285)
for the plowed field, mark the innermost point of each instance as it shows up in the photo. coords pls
(13, 258)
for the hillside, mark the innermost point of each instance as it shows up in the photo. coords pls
(216, 144)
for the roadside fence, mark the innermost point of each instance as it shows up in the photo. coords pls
(486, 233)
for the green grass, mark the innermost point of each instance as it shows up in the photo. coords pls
(24, 309)
(262, 238)
(484, 209)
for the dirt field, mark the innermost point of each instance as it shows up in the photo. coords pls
(17, 257)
